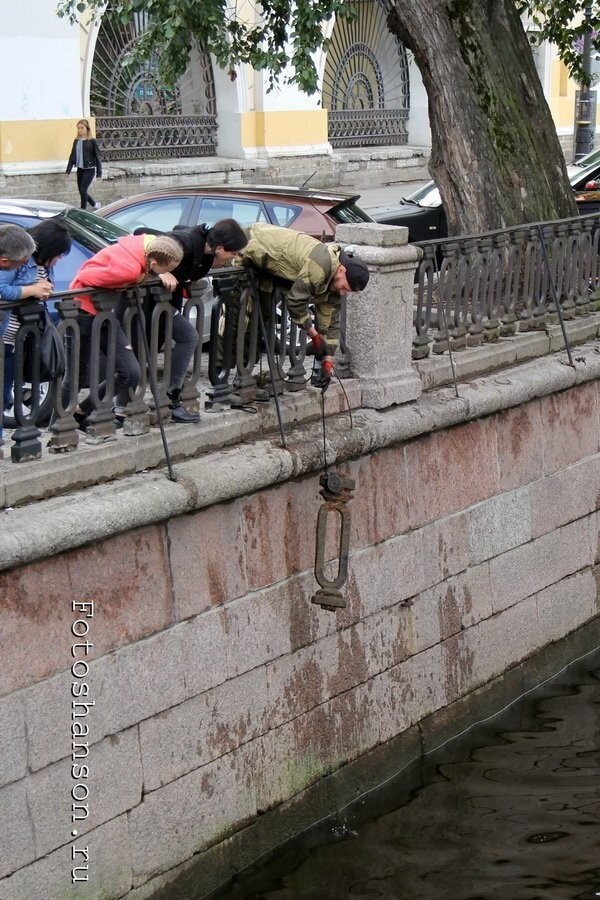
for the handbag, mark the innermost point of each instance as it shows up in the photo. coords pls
(53, 357)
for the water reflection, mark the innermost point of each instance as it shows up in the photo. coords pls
(511, 810)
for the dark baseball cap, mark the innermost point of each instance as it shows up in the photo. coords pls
(357, 274)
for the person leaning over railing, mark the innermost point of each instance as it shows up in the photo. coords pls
(16, 247)
(130, 261)
(203, 249)
(318, 275)
(52, 241)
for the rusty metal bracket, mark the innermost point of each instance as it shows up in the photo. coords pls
(336, 491)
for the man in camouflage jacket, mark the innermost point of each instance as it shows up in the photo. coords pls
(318, 275)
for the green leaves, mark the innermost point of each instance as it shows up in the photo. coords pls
(290, 33)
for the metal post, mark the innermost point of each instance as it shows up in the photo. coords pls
(585, 100)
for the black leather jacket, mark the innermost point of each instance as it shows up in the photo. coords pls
(91, 156)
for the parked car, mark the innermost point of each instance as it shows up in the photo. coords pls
(423, 214)
(303, 209)
(88, 233)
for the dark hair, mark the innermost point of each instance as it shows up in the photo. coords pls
(228, 234)
(51, 238)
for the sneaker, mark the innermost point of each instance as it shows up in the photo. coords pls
(119, 421)
(97, 206)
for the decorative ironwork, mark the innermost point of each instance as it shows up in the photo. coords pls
(148, 137)
(368, 127)
(480, 287)
(365, 82)
(136, 115)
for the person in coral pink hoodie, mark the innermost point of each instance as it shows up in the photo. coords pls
(130, 261)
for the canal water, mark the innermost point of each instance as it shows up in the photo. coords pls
(510, 810)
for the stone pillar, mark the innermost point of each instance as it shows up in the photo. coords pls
(379, 320)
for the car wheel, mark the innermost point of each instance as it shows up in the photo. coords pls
(45, 409)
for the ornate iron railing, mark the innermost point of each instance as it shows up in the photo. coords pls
(152, 137)
(478, 288)
(367, 127)
(247, 330)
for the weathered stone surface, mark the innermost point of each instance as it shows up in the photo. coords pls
(109, 871)
(207, 557)
(204, 728)
(520, 457)
(451, 470)
(565, 606)
(499, 524)
(445, 548)
(114, 782)
(17, 847)
(570, 426)
(13, 746)
(495, 644)
(189, 814)
(528, 569)
(279, 531)
(36, 638)
(379, 507)
(569, 494)
(384, 575)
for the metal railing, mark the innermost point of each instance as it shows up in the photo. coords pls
(151, 137)
(480, 287)
(252, 339)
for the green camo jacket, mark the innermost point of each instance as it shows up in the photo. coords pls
(309, 265)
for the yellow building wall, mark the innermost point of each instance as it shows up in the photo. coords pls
(42, 140)
(562, 95)
(284, 128)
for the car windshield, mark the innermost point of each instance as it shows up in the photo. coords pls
(348, 214)
(85, 222)
(590, 159)
(428, 195)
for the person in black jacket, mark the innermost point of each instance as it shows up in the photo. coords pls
(86, 157)
(204, 248)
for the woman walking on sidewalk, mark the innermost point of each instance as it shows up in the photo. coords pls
(86, 157)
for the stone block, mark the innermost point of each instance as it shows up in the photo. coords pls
(451, 470)
(114, 783)
(260, 626)
(301, 681)
(531, 344)
(207, 556)
(530, 568)
(133, 684)
(13, 745)
(499, 524)
(379, 507)
(570, 426)
(565, 496)
(109, 868)
(187, 815)
(445, 548)
(519, 432)
(204, 728)
(279, 531)
(565, 606)
(495, 644)
(384, 575)
(17, 844)
(36, 638)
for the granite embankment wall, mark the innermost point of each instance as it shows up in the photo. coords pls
(219, 691)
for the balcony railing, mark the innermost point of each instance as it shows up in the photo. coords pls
(478, 288)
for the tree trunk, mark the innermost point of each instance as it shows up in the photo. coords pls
(495, 154)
